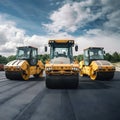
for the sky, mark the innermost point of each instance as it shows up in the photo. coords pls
(33, 22)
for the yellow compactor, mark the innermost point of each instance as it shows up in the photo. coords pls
(61, 70)
(94, 65)
(26, 64)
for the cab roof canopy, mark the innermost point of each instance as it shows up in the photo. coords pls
(27, 47)
(93, 48)
(61, 43)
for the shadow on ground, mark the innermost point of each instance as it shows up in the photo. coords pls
(31, 79)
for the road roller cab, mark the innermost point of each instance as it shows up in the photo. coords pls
(94, 65)
(26, 64)
(61, 70)
(28, 53)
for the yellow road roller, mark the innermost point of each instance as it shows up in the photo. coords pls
(94, 65)
(26, 64)
(61, 70)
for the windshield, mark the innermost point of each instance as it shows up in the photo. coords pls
(23, 53)
(96, 53)
(61, 51)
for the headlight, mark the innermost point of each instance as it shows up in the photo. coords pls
(49, 68)
(75, 69)
(100, 68)
(51, 41)
(17, 67)
(71, 41)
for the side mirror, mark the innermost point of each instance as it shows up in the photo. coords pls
(76, 47)
(104, 52)
(45, 48)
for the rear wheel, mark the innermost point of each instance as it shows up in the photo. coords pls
(25, 75)
(93, 75)
(38, 75)
(82, 73)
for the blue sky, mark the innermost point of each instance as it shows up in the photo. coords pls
(89, 22)
(30, 14)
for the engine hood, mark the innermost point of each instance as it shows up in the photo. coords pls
(60, 60)
(103, 63)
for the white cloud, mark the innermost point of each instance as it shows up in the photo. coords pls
(100, 38)
(111, 8)
(69, 18)
(75, 15)
(12, 37)
(113, 21)
(37, 41)
(72, 16)
(62, 19)
(93, 32)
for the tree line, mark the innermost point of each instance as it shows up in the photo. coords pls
(4, 60)
(115, 57)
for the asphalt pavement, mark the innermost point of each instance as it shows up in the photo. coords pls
(31, 100)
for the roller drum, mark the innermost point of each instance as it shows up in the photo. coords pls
(102, 76)
(14, 75)
(105, 75)
(62, 81)
(17, 75)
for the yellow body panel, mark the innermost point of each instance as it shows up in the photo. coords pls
(100, 66)
(61, 69)
(22, 66)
